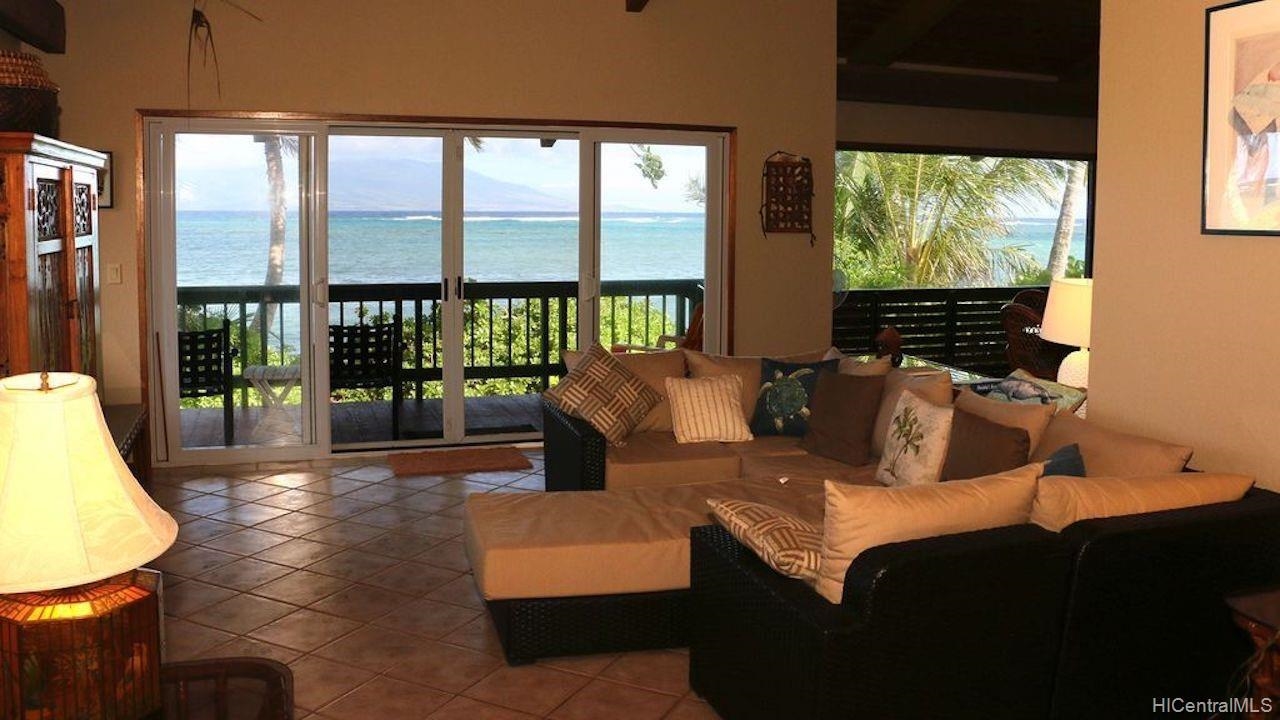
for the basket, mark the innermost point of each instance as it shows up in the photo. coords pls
(28, 98)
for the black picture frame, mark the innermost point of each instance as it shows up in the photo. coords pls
(106, 182)
(1225, 209)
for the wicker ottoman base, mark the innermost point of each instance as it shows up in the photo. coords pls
(535, 628)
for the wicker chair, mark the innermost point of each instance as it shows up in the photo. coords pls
(1024, 348)
(690, 340)
(369, 356)
(204, 370)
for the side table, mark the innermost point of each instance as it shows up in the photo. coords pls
(1259, 615)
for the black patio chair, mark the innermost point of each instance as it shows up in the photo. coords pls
(204, 370)
(368, 356)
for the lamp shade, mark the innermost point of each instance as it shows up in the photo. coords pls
(1068, 314)
(70, 511)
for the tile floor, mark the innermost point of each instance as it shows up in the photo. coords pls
(358, 580)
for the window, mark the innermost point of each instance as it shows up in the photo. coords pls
(909, 219)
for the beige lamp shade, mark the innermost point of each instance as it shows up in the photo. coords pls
(1068, 315)
(70, 511)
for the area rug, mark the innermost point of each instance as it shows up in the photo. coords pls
(464, 460)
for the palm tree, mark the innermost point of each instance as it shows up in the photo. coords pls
(275, 147)
(1061, 250)
(925, 220)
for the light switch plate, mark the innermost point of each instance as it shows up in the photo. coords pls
(114, 276)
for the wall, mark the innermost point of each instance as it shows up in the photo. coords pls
(882, 123)
(706, 62)
(1185, 325)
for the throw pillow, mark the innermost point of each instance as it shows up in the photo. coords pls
(917, 444)
(707, 409)
(860, 517)
(746, 367)
(786, 391)
(981, 447)
(652, 367)
(606, 394)
(931, 385)
(843, 413)
(783, 541)
(1066, 460)
(1061, 501)
(1064, 396)
(860, 364)
(1110, 453)
(1032, 418)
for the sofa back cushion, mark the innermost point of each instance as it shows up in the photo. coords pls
(707, 409)
(1108, 453)
(843, 415)
(1032, 418)
(931, 385)
(859, 518)
(654, 368)
(1062, 500)
(746, 367)
(981, 447)
(602, 391)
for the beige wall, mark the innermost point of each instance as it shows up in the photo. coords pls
(858, 122)
(707, 62)
(1185, 325)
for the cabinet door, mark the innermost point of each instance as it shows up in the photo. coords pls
(47, 263)
(85, 320)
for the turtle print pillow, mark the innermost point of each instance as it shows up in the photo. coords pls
(786, 391)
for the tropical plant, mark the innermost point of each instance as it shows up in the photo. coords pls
(906, 429)
(1042, 276)
(1076, 172)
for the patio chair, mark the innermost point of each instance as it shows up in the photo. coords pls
(368, 356)
(204, 370)
(1024, 347)
(690, 340)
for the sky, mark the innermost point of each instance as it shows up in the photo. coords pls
(522, 161)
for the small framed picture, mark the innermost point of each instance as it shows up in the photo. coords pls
(105, 181)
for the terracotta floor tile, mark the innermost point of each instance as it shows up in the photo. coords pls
(363, 603)
(293, 479)
(382, 494)
(185, 640)
(369, 473)
(244, 574)
(449, 554)
(193, 561)
(208, 484)
(400, 545)
(429, 502)
(428, 618)
(205, 504)
(296, 524)
(352, 564)
(439, 526)
(460, 488)
(241, 613)
(374, 648)
(477, 635)
(317, 682)
(249, 491)
(304, 630)
(184, 598)
(464, 708)
(530, 482)
(691, 708)
(590, 665)
(248, 647)
(246, 541)
(411, 577)
(529, 688)
(167, 495)
(444, 667)
(294, 499)
(665, 672)
(298, 552)
(337, 485)
(340, 508)
(384, 697)
(204, 529)
(249, 514)
(459, 511)
(494, 478)
(345, 533)
(414, 482)
(182, 517)
(459, 592)
(387, 516)
(602, 699)
(301, 587)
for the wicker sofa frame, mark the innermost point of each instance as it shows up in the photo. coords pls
(575, 451)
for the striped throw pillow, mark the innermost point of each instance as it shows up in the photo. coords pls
(600, 390)
(707, 409)
(784, 542)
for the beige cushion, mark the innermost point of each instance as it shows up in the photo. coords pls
(531, 545)
(783, 541)
(916, 446)
(859, 518)
(652, 367)
(606, 394)
(655, 458)
(707, 409)
(1110, 453)
(769, 446)
(1032, 418)
(1061, 501)
(931, 385)
(746, 367)
(807, 467)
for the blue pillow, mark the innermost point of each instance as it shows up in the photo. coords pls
(786, 390)
(1066, 460)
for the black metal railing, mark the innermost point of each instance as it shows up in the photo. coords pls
(510, 329)
(956, 326)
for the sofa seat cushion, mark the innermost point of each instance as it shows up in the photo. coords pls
(655, 458)
(769, 446)
(538, 545)
(807, 467)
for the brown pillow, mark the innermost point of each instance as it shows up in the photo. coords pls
(1109, 453)
(842, 415)
(983, 447)
(654, 368)
(1032, 418)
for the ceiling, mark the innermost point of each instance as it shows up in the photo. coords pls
(1037, 56)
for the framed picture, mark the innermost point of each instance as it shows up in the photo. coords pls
(105, 182)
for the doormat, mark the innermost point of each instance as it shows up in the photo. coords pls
(464, 460)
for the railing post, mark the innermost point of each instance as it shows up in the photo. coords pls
(951, 328)
(545, 307)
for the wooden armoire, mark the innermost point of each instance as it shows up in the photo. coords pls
(49, 287)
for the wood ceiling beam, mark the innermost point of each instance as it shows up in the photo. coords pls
(914, 20)
(863, 83)
(636, 5)
(39, 23)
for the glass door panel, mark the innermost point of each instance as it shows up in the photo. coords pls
(519, 266)
(653, 244)
(240, 252)
(385, 315)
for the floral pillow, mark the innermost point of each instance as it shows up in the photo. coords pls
(916, 446)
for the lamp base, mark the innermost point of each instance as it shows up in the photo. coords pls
(1074, 370)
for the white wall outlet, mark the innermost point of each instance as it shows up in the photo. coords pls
(114, 276)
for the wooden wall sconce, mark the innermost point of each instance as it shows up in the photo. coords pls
(786, 204)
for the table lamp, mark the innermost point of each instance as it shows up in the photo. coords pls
(1068, 316)
(79, 625)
